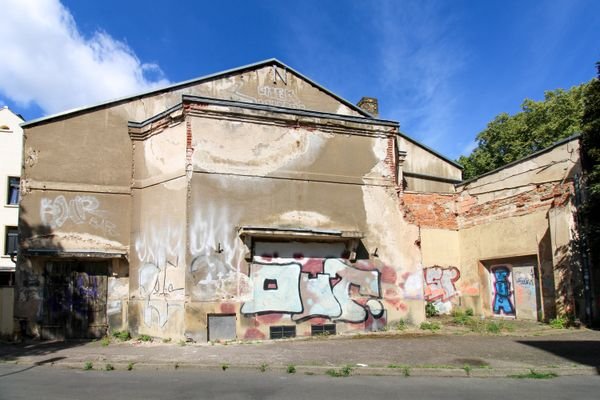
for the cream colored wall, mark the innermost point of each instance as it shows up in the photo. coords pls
(560, 163)
(11, 144)
(420, 161)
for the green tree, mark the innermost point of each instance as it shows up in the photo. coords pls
(538, 125)
(590, 139)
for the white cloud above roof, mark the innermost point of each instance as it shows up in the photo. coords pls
(47, 60)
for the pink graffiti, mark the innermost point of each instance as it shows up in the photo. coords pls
(439, 283)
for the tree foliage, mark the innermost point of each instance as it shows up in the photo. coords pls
(591, 162)
(538, 125)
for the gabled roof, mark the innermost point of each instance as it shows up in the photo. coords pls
(180, 85)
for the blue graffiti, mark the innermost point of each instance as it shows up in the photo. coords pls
(502, 292)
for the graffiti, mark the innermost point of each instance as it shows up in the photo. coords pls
(439, 286)
(218, 254)
(79, 210)
(502, 303)
(332, 293)
(439, 283)
(276, 289)
(156, 293)
(118, 291)
(524, 279)
(86, 291)
(159, 250)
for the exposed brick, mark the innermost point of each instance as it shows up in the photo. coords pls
(430, 210)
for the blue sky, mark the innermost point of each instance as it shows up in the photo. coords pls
(443, 69)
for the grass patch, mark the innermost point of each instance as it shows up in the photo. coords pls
(484, 326)
(560, 322)
(401, 325)
(430, 326)
(463, 318)
(340, 373)
(166, 340)
(405, 368)
(535, 375)
(224, 367)
(121, 335)
(263, 367)
(88, 366)
(183, 343)
(105, 341)
(145, 338)
(291, 369)
(396, 366)
(109, 367)
(430, 310)
(493, 327)
(130, 366)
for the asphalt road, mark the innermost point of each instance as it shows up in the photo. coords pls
(31, 382)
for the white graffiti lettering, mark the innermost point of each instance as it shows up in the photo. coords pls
(283, 288)
(79, 210)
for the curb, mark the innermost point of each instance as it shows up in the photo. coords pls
(405, 371)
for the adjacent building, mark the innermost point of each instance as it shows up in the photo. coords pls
(11, 142)
(254, 203)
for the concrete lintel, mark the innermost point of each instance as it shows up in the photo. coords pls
(250, 233)
(74, 253)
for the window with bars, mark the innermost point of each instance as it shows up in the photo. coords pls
(13, 190)
(11, 240)
(282, 331)
(326, 329)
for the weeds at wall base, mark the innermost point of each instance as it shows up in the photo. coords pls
(430, 326)
(340, 373)
(121, 335)
(534, 375)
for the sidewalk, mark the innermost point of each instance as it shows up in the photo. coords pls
(412, 352)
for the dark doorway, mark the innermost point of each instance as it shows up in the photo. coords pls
(75, 300)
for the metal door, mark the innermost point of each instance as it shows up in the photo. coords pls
(525, 291)
(75, 300)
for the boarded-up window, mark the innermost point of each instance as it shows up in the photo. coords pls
(221, 327)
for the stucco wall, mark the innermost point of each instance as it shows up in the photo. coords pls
(244, 173)
(11, 144)
(428, 166)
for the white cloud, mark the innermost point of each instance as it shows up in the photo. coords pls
(45, 60)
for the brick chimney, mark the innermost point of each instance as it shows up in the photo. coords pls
(370, 105)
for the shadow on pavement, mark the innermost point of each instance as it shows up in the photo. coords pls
(585, 352)
(14, 351)
(37, 364)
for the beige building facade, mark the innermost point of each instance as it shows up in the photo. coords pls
(248, 204)
(11, 144)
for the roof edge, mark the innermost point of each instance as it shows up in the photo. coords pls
(430, 150)
(520, 160)
(183, 84)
